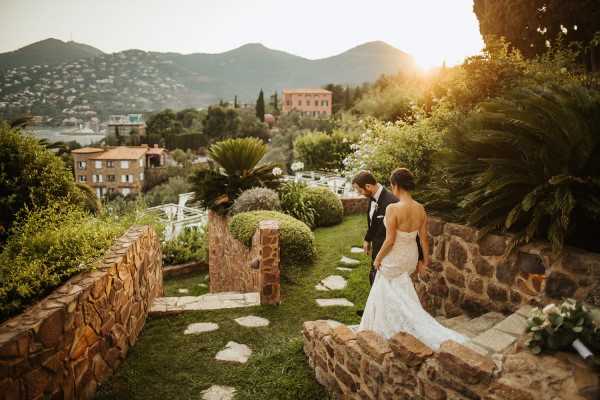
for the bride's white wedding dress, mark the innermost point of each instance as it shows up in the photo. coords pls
(393, 305)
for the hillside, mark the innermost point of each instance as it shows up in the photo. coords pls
(50, 51)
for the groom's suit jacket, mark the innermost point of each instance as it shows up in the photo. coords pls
(376, 231)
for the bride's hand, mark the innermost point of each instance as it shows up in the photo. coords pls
(377, 264)
(420, 268)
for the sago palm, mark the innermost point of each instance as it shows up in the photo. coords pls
(235, 169)
(530, 163)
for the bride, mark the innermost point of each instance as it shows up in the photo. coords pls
(393, 305)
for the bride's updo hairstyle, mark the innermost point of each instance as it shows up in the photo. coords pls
(403, 178)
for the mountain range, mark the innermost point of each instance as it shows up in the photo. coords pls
(200, 78)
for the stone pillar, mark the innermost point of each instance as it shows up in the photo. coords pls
(269, 262)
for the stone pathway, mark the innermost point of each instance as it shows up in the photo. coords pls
(356, 250)
(342, 302)
(234, 352)
(344, 269)
(332, 282)
(252, 321)
(183, 290)
(349, 261)
(200, 327)
(217, 392)
(212, 301)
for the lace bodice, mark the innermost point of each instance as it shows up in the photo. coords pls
(403, 256)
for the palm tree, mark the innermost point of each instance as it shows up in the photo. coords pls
(235, 167)
(530, 163)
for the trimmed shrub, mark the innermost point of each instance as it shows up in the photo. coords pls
(297, 242)
(327, 205)
(190, 245)
(49, 246)
(294, 202)
(256, 199)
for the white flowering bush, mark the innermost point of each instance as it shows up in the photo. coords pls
(555, 327)
(297, 166)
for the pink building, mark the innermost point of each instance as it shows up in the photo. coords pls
(308, 102)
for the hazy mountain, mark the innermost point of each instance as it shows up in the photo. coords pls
(53, 75)
(49, 51)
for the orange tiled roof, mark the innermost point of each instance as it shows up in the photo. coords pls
(87, 150)
(155, 151)
(322, 91)
(123, 153)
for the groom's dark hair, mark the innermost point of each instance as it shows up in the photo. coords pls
(364, 178)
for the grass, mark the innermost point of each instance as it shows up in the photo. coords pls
(196, 284)
(166, 364)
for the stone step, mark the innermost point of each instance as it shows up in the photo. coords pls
(332, 282)
(342, 302)
(211, 301)
(456, 321)
(500, 337)
(479, 324)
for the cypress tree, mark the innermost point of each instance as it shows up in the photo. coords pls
(260, 107)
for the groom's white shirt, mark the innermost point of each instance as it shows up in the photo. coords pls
(374, 201)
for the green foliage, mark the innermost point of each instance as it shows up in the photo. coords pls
(296, 239)
(30, 177)
(50, 245)
(554, 328)
(221, 122)
(168, 192)
(530, 162)
(190, 246)
(256, 199)
(327, 205)
(237, 169)
(251, 126)
(294, 202)
(260, 107)
(321, 151)
(164, 123)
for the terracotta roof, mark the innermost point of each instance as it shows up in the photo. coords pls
(155, 151)
(322, 91)
(87, 150)
(122, 153)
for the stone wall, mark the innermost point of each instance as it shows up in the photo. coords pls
(65, 345)
(235, 267)
(474, 274)
(365, 366)
(355, 205)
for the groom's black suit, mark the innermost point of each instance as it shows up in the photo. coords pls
(376, 232)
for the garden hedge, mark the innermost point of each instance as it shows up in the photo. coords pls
(297, 242)
(327, 205)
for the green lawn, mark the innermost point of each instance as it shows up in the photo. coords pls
(165, 364)
(196, 284)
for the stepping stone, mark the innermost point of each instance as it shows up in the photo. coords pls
(200, 327)
(320, 287)
(334, 282)
(334, 302)
(210, 301)
(356, 250)
(234, 352)
(216, 392)
(515, 325)
(183, 290)
(344, 269)
(494, 340)
(349, 261)
(252, 321)
(202, 285)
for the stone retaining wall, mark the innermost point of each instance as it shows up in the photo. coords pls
(476, 274)
(68, 343)
(355, 205)
(235, 267)
(365, 366)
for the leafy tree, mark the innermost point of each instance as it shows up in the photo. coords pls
(31, 177)
(221, 122)
(260, 107)
(528, 24)
(251, 126)
(190, 119)
(320, 151)
(164, 123)
(530, 162)
(274, 103)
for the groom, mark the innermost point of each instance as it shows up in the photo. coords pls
(364, 183)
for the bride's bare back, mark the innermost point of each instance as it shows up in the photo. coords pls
(409, 215)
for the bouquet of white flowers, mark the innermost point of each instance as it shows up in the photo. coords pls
(557, 327)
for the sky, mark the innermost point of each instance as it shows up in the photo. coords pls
(433, 31)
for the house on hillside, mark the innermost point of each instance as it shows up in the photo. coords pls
(118, 169)
(308, 102)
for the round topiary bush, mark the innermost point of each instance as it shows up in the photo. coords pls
(297, 242)
(255, 199)
(327, 205)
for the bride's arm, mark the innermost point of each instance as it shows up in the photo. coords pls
(390, 235)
